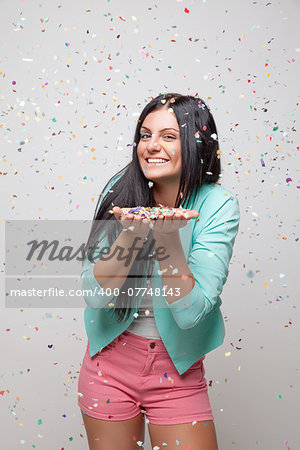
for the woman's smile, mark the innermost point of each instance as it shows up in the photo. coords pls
(156, 161)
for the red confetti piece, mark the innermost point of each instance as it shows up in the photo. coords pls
(187, 11)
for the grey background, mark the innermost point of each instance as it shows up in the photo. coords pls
(82, 77)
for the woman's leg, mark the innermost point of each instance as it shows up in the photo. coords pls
(201, 436)
(114, 435)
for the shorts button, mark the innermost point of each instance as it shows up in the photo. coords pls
(152, 345)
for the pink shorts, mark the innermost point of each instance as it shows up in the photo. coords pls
(134, 374)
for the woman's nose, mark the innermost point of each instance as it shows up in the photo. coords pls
(153, 143)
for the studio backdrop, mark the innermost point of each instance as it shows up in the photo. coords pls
(74, 78)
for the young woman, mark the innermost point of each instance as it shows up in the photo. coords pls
(153, 289)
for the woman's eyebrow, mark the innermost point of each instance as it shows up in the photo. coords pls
(162, 129)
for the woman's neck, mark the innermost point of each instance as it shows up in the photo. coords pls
(165, 195)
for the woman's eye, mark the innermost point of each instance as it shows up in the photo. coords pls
(145, 136)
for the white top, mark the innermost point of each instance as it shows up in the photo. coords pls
(144, 325)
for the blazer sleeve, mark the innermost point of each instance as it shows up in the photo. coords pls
(212, 248)
(92, 292)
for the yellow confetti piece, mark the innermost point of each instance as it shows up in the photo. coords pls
(239, 368)
(227, 354)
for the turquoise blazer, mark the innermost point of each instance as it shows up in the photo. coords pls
(193, 325)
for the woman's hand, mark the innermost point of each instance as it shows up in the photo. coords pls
(131, 223)
(171, 223)
(167, 224)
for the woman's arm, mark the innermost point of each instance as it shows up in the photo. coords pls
(183, 281)
(98, 280)
(111, 270)
(213, 239)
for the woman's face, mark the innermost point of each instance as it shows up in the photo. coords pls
(159, 148)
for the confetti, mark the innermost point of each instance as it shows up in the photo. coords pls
(152, 213)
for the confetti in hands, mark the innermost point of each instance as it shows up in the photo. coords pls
(162, 220)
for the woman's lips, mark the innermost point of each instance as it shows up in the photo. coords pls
(156, 163)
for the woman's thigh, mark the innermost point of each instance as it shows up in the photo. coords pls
(108, 383)
(201, 436)
(116, 435)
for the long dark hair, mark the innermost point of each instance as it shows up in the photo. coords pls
(200, 165)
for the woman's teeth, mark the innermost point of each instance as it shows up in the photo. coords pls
(157, 161)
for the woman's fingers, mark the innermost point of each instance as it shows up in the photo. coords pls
(181, 215)
(117, 212)
(131, 222)
(178, 216)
